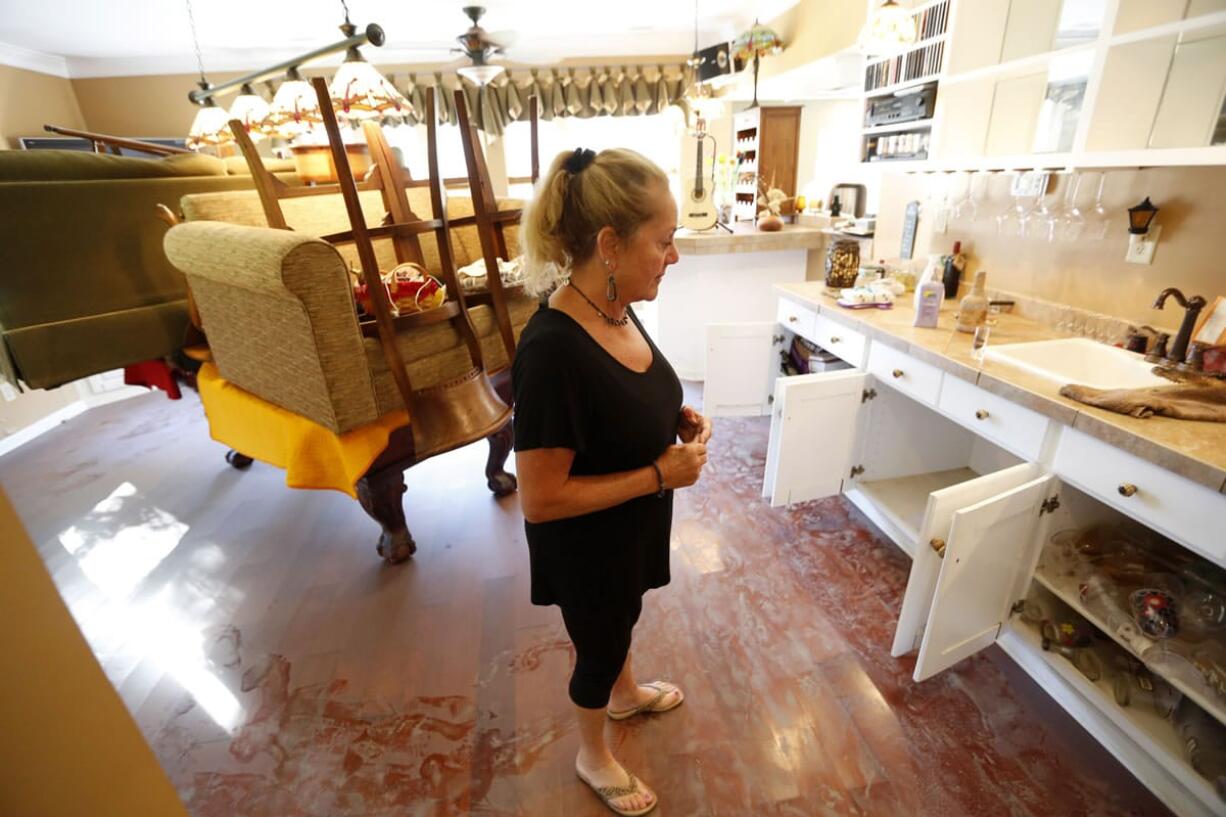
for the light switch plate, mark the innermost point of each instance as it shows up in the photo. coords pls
(1141, 248)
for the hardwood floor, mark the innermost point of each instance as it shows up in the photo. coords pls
(278, 668)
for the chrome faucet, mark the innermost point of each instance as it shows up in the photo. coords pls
(1192, 307)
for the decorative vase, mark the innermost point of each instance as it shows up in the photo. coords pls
(770, 223)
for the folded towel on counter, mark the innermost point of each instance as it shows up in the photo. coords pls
(1194, 398)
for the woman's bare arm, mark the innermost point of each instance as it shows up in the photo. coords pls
(548, 491)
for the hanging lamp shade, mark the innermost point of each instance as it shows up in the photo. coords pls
(251, 109)
(211, 126)
(359, 91)
(890, 28)
(480, 73)
(295, 108)
(758, 41)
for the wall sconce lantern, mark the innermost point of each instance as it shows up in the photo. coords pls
(1140, 216)
(1142, 238)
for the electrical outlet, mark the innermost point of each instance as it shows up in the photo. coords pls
(1141, 247)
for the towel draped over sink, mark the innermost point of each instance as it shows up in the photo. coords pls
(1189, 397)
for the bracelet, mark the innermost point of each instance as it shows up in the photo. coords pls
(660, 477)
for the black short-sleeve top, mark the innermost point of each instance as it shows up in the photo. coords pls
(571, 393)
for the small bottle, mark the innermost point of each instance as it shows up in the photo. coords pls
(928, 297)
(973, 310)
(954, 265)
(835, 206)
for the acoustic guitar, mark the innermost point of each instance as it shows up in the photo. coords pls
(697, 208)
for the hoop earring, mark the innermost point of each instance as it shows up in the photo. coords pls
(610, 292)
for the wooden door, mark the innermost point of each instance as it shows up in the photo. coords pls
(991, 544)
(778, 148)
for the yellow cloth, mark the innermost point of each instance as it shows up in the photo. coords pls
(312, 456)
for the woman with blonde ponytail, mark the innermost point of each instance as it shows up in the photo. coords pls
(601, 437)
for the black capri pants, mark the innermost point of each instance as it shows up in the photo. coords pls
(601, 636)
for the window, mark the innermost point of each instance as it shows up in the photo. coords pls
(411, 141)
(656, 136)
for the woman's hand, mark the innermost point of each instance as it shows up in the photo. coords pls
(692, 427)
(682, 464)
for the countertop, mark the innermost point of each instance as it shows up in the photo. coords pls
(1196, 450)
(747, 238)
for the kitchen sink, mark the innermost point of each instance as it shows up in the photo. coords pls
(1079, 360)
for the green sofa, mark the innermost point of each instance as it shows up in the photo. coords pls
(85, 286)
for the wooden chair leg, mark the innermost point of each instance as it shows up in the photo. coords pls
(240, 461)
(381, 494)
(497, 478)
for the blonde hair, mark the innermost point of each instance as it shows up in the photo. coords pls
(560, 224)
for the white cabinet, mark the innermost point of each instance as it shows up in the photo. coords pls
(971, 485)
(1170, 504)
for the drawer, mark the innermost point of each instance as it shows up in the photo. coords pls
(905, 373)
(1170, 504)
(1002, 421)
(796, 318)
(836, 339)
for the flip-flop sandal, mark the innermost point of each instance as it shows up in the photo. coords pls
(608, 794)
(654, 704)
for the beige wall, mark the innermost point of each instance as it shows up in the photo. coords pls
(139, 106)
(29, 100)
(69, 745)
(810, 32)
(1089, 274)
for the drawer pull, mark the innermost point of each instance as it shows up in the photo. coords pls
(938, 545)
(792, 319)
(981, 414)
(835, 339)
(897, 373)
(1127, 489)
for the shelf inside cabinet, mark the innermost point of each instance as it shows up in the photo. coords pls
(1154, 733)
(1199, 693)
(903, 500)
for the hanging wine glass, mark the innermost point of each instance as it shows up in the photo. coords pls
(966, 208)
(1097, 222)
(1010, 221)
(1071, 223)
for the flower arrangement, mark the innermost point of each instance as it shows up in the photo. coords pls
(770, 206)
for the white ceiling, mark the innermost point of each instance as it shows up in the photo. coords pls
(84, 38)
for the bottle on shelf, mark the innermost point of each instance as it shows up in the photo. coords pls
(973, 310)
(955, 265)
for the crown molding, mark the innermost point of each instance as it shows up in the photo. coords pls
(15, 56)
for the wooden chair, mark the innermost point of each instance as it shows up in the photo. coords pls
(491, 221)
(103, 143)
(458, 410)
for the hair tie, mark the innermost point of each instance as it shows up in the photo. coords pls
(581, 158)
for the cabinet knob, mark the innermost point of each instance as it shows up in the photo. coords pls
(1127, 489)
(981, 414)
(897, 373)
(835, 339)
(938, 545)
(792, 319)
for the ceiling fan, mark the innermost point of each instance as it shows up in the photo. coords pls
(479, 46)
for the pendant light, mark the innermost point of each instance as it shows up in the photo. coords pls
(890, 28)
(294, 110)
(358, 90)
(210, 126)
(250, 109)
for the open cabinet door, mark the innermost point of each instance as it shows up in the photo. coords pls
(989, 545)
(741, 369)
(926, 566)
(813, 435)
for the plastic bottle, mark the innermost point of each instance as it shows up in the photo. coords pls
(928, 297)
